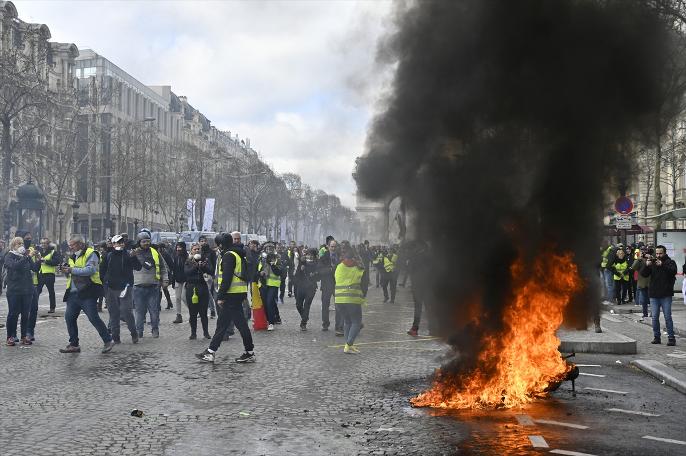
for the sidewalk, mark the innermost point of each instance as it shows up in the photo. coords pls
(678, 314)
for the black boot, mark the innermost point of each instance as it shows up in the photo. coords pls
(178, 319)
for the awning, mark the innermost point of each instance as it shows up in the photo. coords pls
(635, 229)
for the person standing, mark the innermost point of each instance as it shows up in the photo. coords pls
(210, 256)
(197, 293)
(3, 252)
(232, 289)
(390, 276)
(642, 283)
(84, 287)
(327, 268)
(621, 270)
(285, 264)
(606, 260)
(352, 282)
(269, 270)
(306, 277)
(292, 259)
(20, 290)
(148, 276)
(419, 270)
(178, 266)
(168, 260)
(35, 255)
(51, 258)
(116, 271)
(662, 273)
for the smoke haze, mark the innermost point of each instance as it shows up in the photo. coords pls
(506, 122)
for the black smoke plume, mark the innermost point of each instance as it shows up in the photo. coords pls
(506, 122)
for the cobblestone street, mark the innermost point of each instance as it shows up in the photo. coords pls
(303, 396)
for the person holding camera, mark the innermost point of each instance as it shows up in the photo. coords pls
(51, 258)
(306, 277)
(210, 256)
(197, 292)
(269, 270)
(662, 273)
(20, 264)
(116, 271)
(233, 288)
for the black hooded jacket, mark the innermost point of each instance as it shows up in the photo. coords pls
(228, 268)
(662, 278)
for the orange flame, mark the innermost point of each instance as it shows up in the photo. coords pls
(522, 362)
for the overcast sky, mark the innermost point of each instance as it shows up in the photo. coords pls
(297, 78)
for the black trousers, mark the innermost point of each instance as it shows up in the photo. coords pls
(389, 278)
(200, 308)
(166, 296)
(303, 301)
(282, 288)
(232, 311)
(49, 281)
(418, 298)
(290, 281)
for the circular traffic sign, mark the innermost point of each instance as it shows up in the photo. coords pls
(624, 205)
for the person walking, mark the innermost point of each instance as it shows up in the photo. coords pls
(20, 290)
(293, 258)
(389, 274)
(232, 289)
(150, 273)
(178, 268)
(3, 252)
(84, 287)
(284, 261)
(51, 258)
(306, 277)
(197, 293)
(116, 271)
(168, 260)
(662, 273)
(418, 262)
(327, 269)
(210, 256)
(352, 281)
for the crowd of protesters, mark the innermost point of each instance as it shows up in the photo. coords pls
(643, 275)
(217, 277)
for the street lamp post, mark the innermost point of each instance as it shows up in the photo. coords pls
(60, 220)
(75, 215)
(181, 220)
(135, 226)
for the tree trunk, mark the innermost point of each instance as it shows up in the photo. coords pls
(6, 172)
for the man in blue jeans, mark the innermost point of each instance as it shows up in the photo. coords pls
(148, 275)
(84, 287)
(662, 272)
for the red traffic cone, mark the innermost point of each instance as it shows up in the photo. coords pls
(259, 319)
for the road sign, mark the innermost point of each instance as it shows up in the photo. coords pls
(623, 222)
(624, 205)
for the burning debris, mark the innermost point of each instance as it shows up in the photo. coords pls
(506, 122)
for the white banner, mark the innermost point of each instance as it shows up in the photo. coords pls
(209, 214)
(190, 212)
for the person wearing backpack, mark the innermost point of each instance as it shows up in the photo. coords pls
(233, 288)
(116, 271)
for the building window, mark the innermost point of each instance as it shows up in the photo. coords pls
(88, 72)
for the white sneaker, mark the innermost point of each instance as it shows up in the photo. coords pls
(606, 302)
(270, 327)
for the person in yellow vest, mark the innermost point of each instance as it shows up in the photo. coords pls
(606, 259)
(269, 270)
(148, 275)
(390, 274)
(233, 288)
(377, 262)
(621, 270)
(352, 281)
(51, 258)
(83, 289)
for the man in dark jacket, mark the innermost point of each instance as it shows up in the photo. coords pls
(662, 273)
(116, 272)
(230, 296)
(179, 277)
(327, 267)
(50, 259)
(210, 256)
(164, 251)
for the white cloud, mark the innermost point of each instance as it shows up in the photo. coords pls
(297, 78)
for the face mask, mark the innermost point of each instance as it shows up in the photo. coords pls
(27, 243)
(21, 250)
(118, 248)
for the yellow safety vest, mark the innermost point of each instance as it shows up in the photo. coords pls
(273, 280)
(46, 268)
(348, 285)
(34, 276)
(156, 260)
(389, 263)
(237, 284)
(621, 268)
(81, 263)
(606, 252)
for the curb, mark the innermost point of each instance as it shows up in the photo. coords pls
(649, 322)
(591, 342)
(668, 375)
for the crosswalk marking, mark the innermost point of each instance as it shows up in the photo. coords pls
(538, 441)
(591, 375)
(560, 423)
(606, 390)
(524, 420)
(660, 439)
(631, 412)
(587, 365)
(570, 453)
